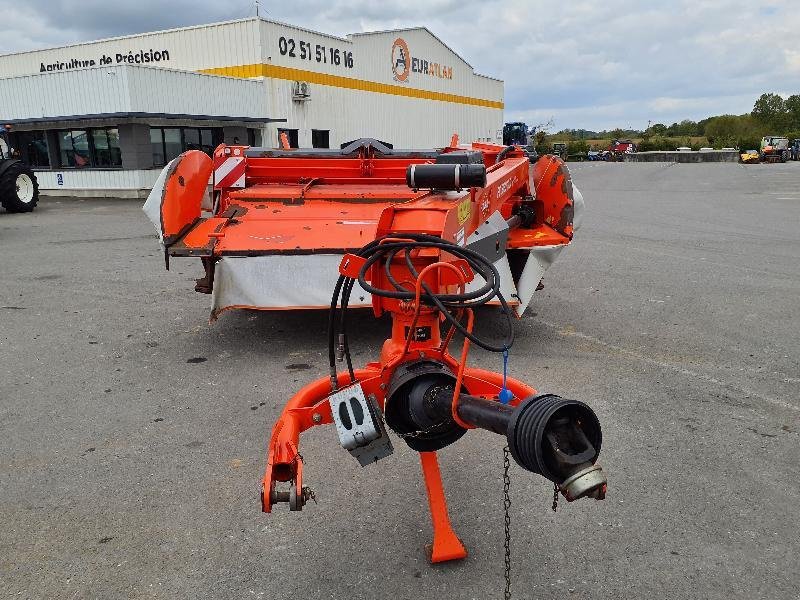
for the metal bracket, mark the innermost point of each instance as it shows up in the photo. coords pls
(491, 238)
(359, 424)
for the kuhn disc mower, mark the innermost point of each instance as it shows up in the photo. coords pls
(426, 236)
(282, 219)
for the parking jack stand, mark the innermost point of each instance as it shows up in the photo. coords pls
(446, 545)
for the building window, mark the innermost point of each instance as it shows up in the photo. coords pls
(320, 138)
(253, 137)
(291, 134)
(169, 142)
(207, 141)
(106, 148)
(79, 148)
(32, 146)
(73, 148)
(173, 145)
(157, 146)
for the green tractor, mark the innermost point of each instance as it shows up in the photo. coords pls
(19, 190)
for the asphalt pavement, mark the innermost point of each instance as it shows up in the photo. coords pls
(133, 433)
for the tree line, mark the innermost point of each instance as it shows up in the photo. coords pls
(772, 114)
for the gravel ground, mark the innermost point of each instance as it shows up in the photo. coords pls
(132, 433)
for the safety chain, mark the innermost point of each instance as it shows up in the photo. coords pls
(422, 432)
(555, 497)
(507, 510)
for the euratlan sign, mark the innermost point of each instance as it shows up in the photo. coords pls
(140, 57)
(403, 64)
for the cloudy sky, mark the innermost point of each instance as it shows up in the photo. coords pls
(594, 64)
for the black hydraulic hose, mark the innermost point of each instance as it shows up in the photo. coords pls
(378, 250)
(492, 285)
(348, 288)
(331, 331)
(472, 337)
(332, 320)
(482, 272)
(387, 267)
(443, 301)
(455, 322)
(502, 154)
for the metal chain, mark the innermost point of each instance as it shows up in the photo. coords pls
(507, 510)
(555, 497)
(421, 432)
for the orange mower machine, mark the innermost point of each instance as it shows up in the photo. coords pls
(282, 219)
(427, 236)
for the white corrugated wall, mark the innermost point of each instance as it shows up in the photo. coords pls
(126, 88)
(364, 100)
(404, 122)
(398, 119)
(178, 92)
(190, 49)
(63, 94)
(71, 182)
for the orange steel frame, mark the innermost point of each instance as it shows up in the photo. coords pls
(310, 406)
(295, 205)
(334, 205)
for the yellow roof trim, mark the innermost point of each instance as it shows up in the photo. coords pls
(288, 73)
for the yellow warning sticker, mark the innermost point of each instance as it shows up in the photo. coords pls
(463, 211)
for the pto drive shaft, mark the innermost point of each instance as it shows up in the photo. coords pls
(559, 439)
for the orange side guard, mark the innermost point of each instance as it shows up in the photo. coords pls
(553, 186)
(183, 193)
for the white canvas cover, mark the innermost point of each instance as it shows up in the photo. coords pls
(279, 282)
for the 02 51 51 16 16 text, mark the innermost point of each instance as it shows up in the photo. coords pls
(303, 50)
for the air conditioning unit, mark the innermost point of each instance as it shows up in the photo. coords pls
(301, 91)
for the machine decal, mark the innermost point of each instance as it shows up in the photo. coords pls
(464, 210)
(401, 60)
(229, 173)
(403, 64)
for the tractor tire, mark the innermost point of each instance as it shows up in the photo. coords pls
(19, 190)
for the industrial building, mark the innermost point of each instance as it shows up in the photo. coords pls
(102, 118)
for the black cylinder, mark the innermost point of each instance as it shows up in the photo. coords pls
(547, 434)
(557, 438)
(412, 414)
(554, 436)
(486, 414)
(446, 177)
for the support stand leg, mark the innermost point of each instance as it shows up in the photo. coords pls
(446, 545)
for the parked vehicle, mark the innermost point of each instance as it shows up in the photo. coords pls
(794, 149)
(595, 155)
(623, 147)
(749, 157)
(19, 190)
(560, 149)
(516, 134)
(774, 149)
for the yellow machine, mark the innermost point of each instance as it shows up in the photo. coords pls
(750, 157)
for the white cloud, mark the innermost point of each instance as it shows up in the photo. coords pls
(586, 63)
